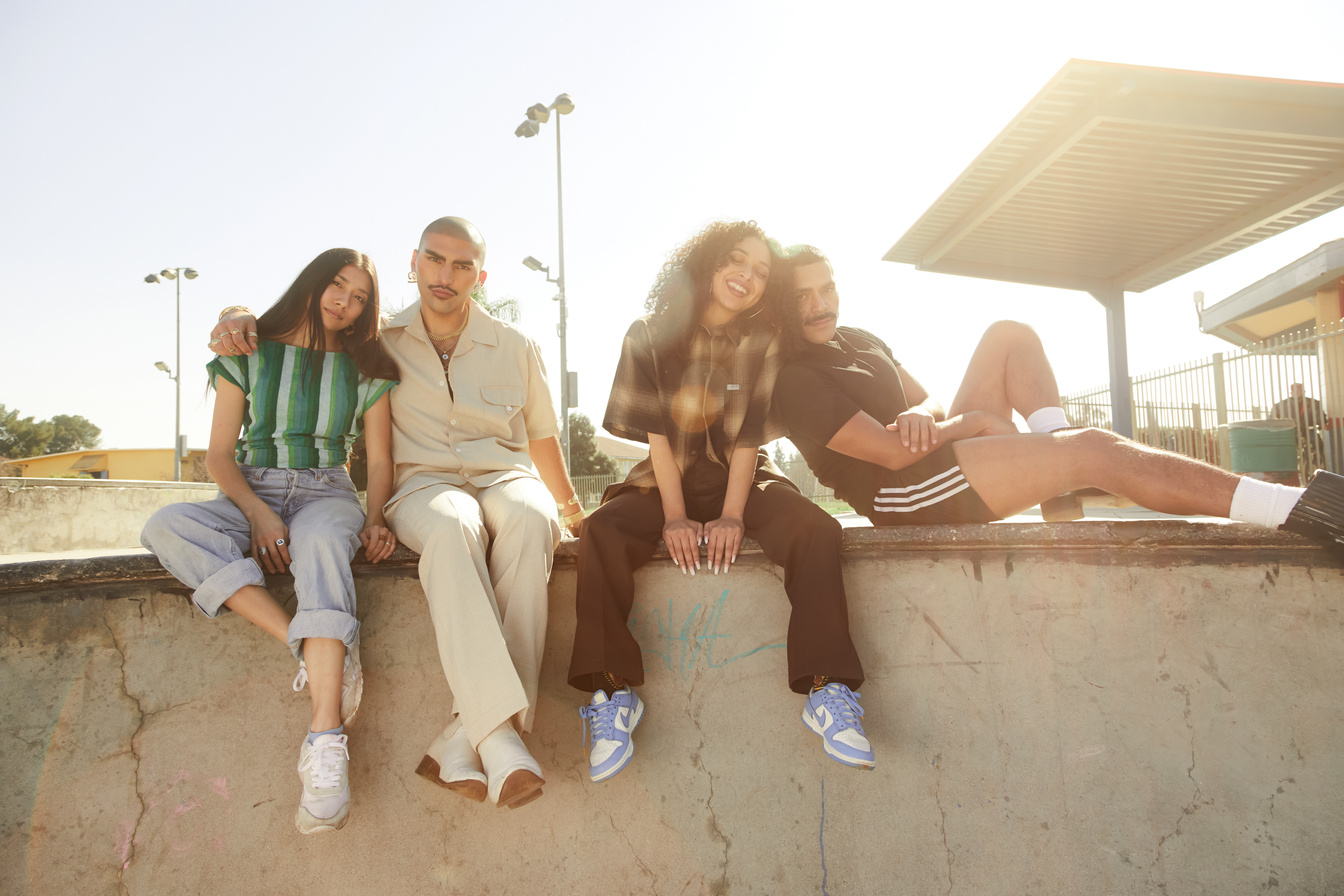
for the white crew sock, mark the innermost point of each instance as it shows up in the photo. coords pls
(1048, 420)
(1263, 503)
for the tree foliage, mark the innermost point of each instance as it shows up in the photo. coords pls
(27, 437)
(585, 458)
(504, 309)
(72, 432)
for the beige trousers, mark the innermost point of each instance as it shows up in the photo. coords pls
(485, 558)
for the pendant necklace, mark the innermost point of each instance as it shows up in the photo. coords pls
(452, 340)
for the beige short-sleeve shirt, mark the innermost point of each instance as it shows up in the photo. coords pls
(470, 424)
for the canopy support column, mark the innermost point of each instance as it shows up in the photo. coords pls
(1122, 412)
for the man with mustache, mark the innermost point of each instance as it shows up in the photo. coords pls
(479, 477)
(870, 432)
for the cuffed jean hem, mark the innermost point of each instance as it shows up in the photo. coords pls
(225, 583)
(334, 624)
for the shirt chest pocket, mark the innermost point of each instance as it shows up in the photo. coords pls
(502, 401)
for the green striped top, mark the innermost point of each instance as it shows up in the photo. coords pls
(287, 423)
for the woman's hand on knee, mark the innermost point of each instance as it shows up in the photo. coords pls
(270, 541)
(724, 537)
(682, 538)
(378, 541)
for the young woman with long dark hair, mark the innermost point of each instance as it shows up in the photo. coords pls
(317, 377)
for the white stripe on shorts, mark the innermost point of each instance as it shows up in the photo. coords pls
(933, 490)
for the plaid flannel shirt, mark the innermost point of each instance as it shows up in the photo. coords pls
(726, 381)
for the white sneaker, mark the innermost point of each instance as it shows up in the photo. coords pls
(324, 769)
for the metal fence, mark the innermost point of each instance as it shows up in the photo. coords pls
(1186, 408)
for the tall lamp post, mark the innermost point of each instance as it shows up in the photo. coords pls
(176, 377)
(538, 115)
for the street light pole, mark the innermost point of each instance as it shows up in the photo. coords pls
(538, 115)
(176, 374)
(563, 326)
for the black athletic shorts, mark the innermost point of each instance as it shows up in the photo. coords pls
(929, 491)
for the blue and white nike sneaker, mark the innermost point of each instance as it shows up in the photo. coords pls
(610, 723)
(833, 712)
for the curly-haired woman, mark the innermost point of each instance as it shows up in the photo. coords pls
(694, 381)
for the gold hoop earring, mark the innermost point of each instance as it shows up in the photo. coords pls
(410, 276)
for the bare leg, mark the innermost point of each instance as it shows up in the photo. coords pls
(1012, 473)
(325, 659)
(255, 604)
(1008, 372)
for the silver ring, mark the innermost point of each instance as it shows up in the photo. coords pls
(262, 551)
(279, 542)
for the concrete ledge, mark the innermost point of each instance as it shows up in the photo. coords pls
(1094, 707)
(77, 514)
(1235, 542)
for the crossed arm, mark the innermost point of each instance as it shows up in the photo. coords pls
(915, 432)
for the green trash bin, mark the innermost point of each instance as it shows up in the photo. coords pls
(1263, 446)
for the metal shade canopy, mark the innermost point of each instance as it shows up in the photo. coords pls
(1118, 178)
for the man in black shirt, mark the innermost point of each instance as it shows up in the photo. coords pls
(870, 432)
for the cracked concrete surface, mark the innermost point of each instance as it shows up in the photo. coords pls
(1059, 725)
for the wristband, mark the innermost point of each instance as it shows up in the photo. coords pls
(569, 521)
(226, 311)
(574, 499)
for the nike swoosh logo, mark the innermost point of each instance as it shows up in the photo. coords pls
(824, 718)
(623, 720)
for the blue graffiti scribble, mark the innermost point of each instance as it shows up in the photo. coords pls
(685, 643)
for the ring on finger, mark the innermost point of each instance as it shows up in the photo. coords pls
(262, 551)
(279, 542)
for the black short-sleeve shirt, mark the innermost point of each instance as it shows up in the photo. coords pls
(823, 388)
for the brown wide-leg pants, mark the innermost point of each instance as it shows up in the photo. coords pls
(620, 537)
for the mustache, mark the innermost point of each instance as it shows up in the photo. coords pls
(818, 318)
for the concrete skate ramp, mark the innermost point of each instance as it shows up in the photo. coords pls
(1086, 708)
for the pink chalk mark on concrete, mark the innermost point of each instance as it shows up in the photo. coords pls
(124, 831)
(220, 786)
(186, 807)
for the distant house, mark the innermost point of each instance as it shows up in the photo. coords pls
(139, 464)
(623, 451)
(1309, 292)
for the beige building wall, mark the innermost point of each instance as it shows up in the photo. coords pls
(1328, 302)
(137, 464)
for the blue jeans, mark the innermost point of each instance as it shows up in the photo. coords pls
(203, 545)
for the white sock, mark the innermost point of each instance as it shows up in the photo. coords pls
(1263, 503)
(1048, 420)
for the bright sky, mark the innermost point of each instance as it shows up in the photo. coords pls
(242, 139)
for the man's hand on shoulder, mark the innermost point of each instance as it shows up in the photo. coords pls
(235, 334)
